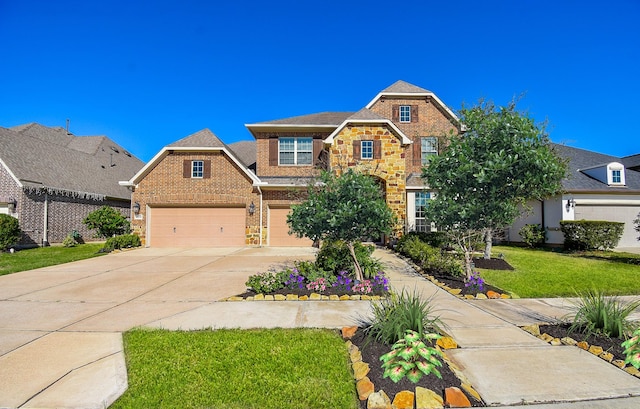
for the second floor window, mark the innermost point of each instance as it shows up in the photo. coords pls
(405, 113)
(366, 151)
(616, 176)
(197, 169)
(295, 151)
(428, 148)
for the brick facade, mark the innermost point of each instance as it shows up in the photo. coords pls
(165, 185)
(267, 150)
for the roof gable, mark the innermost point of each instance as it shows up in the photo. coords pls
(367, 116)
(201, 139)
(403, 87)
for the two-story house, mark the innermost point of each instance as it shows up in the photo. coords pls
(200, 192)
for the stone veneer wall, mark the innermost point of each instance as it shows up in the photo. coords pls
(166, 186)
(391, 166)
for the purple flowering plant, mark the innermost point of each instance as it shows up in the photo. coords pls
(295, 280)
(475, 282)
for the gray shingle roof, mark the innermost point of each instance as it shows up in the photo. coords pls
(245, 151)
(39, 156)
(405, 88)
(201, 139)
(632, 161)
(582, 159)
(322, 118)
(367, 115)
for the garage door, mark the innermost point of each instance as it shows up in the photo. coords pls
(197, 227)
(279, 230)
(624, 214)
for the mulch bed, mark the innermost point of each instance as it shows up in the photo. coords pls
(372, 351)
(304, 291)
(611, 345)
(492, 264)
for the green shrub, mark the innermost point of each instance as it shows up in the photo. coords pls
(69, 241)
(334, 257)
(108, 222)
(310, 271)
(591, 234)
(122, 242)
(429, 258)
(636, 224)
(9, 231)
(396, 314)
(412, 358)
(533, 235)
(597, 313)
(437, 239)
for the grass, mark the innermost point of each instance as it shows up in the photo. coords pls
(279, 368)
(46, 256)
(547, 273)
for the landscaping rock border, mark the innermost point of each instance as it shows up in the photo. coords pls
(593, 349)
(310, 297)
(421, 398)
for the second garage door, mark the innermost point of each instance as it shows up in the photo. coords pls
(197, 227)
(279, 230)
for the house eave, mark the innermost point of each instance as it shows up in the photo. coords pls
(414, 95)
(404, 139)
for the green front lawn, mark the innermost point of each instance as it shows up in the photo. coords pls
(279, 369)
(546, 273)
(46, 256)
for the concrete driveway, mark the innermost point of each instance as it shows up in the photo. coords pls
(62, 324)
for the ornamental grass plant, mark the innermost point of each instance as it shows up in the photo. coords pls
(597, 313)
(397, 313)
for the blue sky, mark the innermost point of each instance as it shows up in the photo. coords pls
(147, 73)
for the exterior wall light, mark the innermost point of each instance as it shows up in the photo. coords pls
(252, 209)
(11, 205)
(136, 208)
(570, 203)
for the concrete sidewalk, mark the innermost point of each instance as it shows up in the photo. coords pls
(60, 343)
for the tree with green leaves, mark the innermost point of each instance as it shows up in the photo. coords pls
(348, 207)
(10, 232)
(486, 176)
(107, 221)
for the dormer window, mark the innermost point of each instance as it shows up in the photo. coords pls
(615, 174)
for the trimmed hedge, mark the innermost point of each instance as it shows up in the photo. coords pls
(591, 234)
(9, 231)
(122, 242)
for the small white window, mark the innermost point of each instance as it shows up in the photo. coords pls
(429, 148)
(366, 151)
(197, 169)
(422, 200)
(405, 113)
(616, 176)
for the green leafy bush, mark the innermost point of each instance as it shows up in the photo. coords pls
(533, 235)
(334, 257)
(396, 314)
(410, 357)
(310, 271)
(122, 242)
(268, 281)
(591, 234)
(69, 241)
(597, 313)
(437, 239)
(632, 349)
(108, 222)
(9, 231)
(636, 224)
(430, 258)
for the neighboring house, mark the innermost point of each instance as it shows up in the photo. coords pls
(199, 191)
(50, 180)
(598, 187)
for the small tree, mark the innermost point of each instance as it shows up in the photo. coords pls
(636, 223)
(107, 221)
(349, 207)
(9, 231)
(485, 176)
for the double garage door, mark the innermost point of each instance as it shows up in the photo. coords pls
(214, 227)
(624, 214)
(197, 227)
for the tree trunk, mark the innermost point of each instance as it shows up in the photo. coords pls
(359, 275)
(488, 241)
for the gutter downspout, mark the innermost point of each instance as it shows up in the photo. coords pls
(45, 229)
(260, 239)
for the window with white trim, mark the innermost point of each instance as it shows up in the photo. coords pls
(428, 148)
(197, 169)
(295, 151)
(616, 176)
(422, 201)
(366, 150)
(405, 113)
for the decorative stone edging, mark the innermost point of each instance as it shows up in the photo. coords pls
(422, 398)
(593, 349)
(311, 297)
